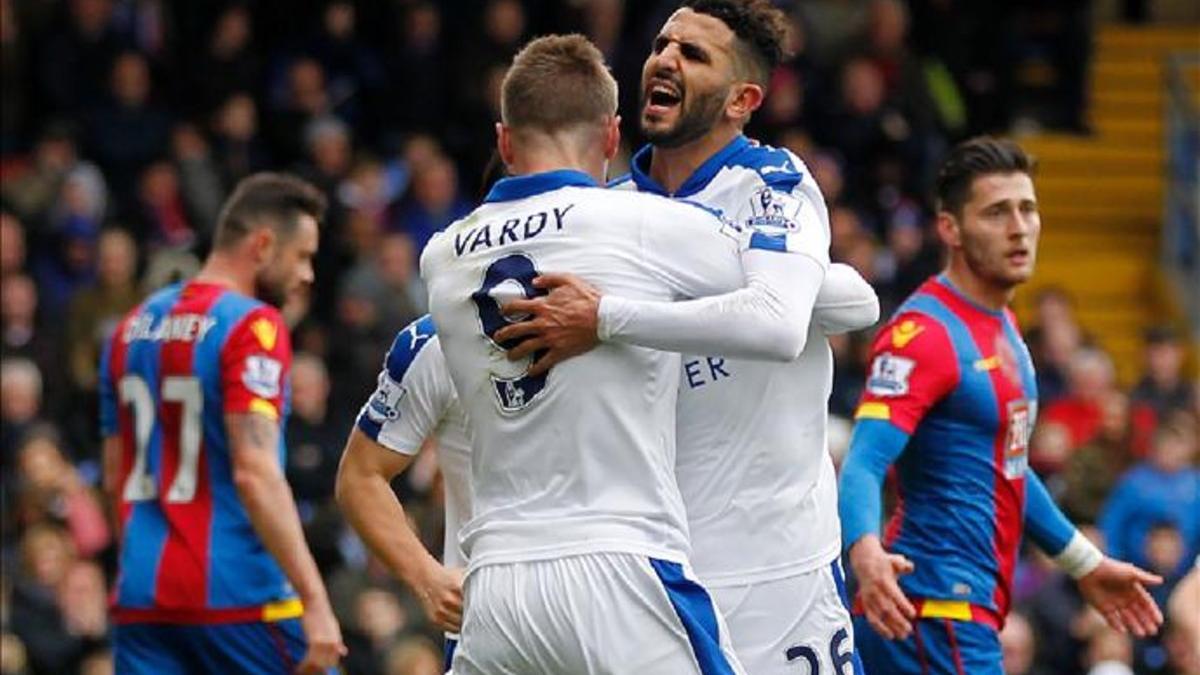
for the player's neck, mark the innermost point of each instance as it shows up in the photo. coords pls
(671, 167)
(548, 155)
(222, 270)
(978, 290)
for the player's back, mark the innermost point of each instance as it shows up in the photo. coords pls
(175, 366)
(580, 460)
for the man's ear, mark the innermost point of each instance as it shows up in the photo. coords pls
(949, 229)
(747, 97)
(612, 137)
(262, 245)
(504, 143)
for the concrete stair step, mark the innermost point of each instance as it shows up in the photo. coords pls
(1155, 38)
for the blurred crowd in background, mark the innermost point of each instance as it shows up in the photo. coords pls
(125, 123)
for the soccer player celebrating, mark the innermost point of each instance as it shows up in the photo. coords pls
(213, 570)
(951, 401)
(756, 478)
(577, 543)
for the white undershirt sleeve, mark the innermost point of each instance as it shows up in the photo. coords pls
(771, 313)
(846, 302)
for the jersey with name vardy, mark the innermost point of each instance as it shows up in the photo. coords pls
(175, 366)
(413, 400)
(580, 460)
(757, 480)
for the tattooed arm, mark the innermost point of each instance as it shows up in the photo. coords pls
(268, 501)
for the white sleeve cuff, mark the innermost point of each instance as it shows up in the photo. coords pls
(1079, 557)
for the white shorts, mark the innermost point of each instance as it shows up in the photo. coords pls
(597, 613)
(798, 625)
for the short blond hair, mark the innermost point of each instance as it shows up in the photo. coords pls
(557, 83)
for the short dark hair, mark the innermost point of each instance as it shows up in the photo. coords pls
(555, 83)
(760, 27)
(973, 158)
(274, 199)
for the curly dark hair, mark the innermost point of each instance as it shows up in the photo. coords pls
(761, 29)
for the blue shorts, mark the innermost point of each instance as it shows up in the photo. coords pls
(172, 649)
(936, 647)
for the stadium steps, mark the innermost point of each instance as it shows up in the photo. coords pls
(1102, 195)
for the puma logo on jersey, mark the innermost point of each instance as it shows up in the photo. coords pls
(905, 333)
(266, 332)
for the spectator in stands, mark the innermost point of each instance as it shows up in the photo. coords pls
(305, 99)
(13, 74)
(33, 191)
(315, 439)
(25, 334)
(51, 489)
(1183, 623)
(200, 183)
(1093, 470)
(379, 623)
(163, 218)
(12, 245)
(95, 310)
(886, 46)
(330, 152)
(353, 69)
(229, 63)
(1164, 388)
(238, 148)
(20, 408)
(1053, 338)
(1090, 377)
(1163, 489)
(373, 189)
(73, 63)
(419, 70)
(1019, 646)
(1049, 450)
(435, 201)
(414, 655)
(82, 202)
(1109, 652)
(83, 604)
(46, 557)
(128, 131)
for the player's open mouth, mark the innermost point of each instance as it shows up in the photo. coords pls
(661, 97)
(1019, 256)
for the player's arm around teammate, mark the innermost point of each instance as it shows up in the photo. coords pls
(574, 316)
(260, 483)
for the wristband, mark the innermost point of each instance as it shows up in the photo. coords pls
(1079, 557)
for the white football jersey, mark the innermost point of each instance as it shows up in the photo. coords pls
(414, 399)
(752, 464)
(580, 460)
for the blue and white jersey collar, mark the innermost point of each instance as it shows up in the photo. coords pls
(520, 187)
(640, 169)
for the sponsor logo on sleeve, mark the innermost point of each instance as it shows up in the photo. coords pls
(266, 332)
(905, 332)
(774, 212)
(262, 376)
(385, 402)
(890, 375)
